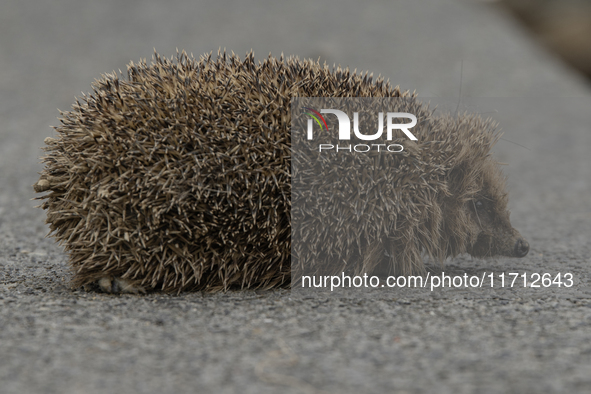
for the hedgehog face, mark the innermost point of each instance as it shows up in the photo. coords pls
(490, 229)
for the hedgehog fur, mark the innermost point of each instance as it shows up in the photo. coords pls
(179, 178)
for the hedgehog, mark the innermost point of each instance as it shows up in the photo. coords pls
(179, 178)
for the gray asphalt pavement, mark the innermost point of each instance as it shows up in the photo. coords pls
(453, 340)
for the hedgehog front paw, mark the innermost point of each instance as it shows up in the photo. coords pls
(119, 285)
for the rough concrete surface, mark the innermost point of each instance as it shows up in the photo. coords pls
(453, 340)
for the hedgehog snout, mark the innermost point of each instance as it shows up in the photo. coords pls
(521, 248)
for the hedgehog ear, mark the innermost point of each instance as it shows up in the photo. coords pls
(456, 175)
(460, 182)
